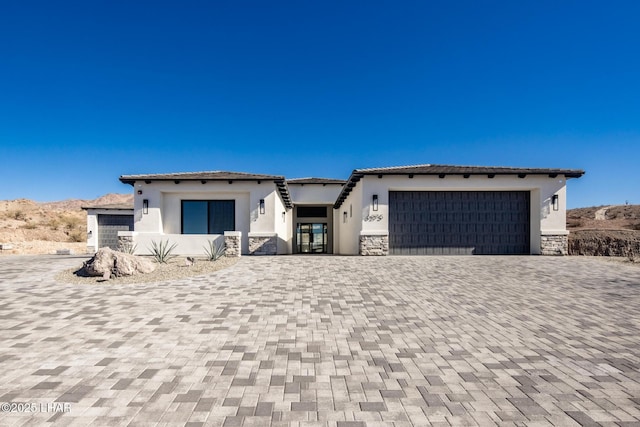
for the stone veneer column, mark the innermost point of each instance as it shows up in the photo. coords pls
(554, 244)
(126, 241)
(263, 243)
(233, 243)
(374, 243)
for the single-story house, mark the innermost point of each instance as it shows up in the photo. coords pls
(421, 209)
(104, 222)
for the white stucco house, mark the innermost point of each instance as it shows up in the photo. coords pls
(104, 222)
(421, 209)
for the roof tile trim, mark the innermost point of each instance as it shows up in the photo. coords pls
(428, 169)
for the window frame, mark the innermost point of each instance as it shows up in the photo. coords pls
(305, 211)
(207, 201)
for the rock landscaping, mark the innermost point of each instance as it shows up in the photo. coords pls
(176, 268)
(108, 263)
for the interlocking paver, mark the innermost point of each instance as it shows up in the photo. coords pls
(328, 341)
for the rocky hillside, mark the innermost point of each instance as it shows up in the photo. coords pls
(39, 228)
(605, 231)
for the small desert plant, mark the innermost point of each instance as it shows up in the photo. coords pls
(77, 236)
(162, 252)
(127, 247)
(71, 223)
(214, 251)
(54, 223)
(574, 222)
(30, 225)
(18, 215)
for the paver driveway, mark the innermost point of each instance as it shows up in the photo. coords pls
(346, 341)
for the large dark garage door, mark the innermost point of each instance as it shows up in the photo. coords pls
(108, 227)
(458, 222)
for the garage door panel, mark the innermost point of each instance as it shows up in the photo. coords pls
(459, 222)
(108, 227)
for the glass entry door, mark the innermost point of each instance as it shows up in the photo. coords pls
(312, 238)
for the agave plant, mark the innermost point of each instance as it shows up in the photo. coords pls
(162, 252)
(127, 247)
(214, 251)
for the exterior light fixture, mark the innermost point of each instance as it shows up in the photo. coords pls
(145, 206)
(554, 202)
(344, 216)
(375, 202)
(261, 206)
(139, 192)
(284, 216)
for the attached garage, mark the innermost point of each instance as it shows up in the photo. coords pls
(104, 222)
(108, 227)
(459, 222)
(455, 210)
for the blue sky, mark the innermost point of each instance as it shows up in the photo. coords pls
(91, 90)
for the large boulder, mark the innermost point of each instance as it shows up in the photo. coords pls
(107, 262)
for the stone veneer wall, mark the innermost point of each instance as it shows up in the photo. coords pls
(374, 245)
(232, 243)
(263, 245)
(124, 243)
(554, 244)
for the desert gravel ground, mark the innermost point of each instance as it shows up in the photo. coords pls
(176, 268)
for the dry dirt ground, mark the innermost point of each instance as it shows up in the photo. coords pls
(617, 234)
(42, 228)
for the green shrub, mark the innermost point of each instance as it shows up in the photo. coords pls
(214, 252)
(162, 252)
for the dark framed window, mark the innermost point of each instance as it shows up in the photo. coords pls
(312, 211)
(208, 216)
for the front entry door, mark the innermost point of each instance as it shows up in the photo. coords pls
(312, 238)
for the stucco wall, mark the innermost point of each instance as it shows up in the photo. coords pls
(314, 194)
(282, 225)
(92, 224)
(186, 244)
(337, 218)
(317, 194)
(163, 219)
(544, 220)
(349, 231)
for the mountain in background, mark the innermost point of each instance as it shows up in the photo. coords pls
(43, 227)
(76, 204)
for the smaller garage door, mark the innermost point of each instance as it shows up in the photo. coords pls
(458, 222)
(108, 227)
